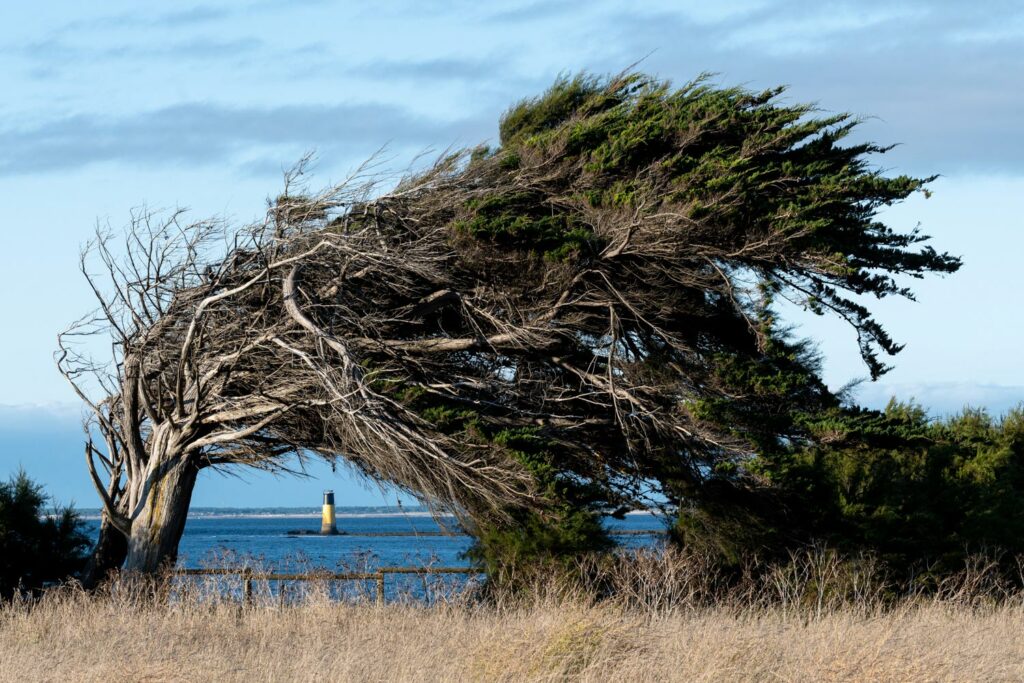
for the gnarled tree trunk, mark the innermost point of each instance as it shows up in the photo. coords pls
(108, 555)
(157, 528)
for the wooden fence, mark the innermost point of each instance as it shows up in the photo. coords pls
(248, 576)
(451, 534)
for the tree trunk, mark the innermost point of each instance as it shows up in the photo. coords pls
(107, 556)
(156, 531)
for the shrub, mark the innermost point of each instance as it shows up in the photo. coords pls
(36, 548)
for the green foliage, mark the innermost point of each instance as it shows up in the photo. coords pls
(446, 418)
(521, 219)
(738, 164)
(35, 549)
(746, 170)
(569, 526)
(919, 493)
(939, 490)
(779, 386)
(712, 189)
(569, 523)
(507, 552)
(536, 115)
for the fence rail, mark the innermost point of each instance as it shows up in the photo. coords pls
(394, 534)
(249, 576)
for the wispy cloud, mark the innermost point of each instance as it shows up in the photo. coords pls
(939, 76)
(183, 17)
(533, 11)
(55, 57)
(434, 69)
(203, 133)
(196, 15)
(954, 106)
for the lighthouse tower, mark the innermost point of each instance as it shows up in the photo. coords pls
(328, 526)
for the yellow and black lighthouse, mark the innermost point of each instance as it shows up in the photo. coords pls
(328, 526)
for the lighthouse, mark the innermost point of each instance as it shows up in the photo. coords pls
(328, 527)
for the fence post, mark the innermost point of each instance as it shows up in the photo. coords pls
(380, 587)
(247, 588)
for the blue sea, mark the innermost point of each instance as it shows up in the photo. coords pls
(285, 539)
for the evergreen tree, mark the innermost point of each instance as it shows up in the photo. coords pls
(36, 548)
(916, 491)
(532, 335)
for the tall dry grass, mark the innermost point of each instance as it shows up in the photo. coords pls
(818, 619)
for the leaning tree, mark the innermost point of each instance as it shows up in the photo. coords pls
(552, 320)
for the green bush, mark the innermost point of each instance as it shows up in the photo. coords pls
(931, 491)
(36, 548)
(923, 495)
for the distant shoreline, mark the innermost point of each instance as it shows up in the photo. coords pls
(341, 512)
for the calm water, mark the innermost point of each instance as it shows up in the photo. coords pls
(221, 537)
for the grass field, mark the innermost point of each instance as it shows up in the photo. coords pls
(667, 616)
(76, 637)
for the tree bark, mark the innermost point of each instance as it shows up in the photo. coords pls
(108, 555)
(157, 529)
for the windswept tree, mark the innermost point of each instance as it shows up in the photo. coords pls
(518, 334)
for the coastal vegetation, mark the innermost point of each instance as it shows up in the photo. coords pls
(580, 321)
(576, 322)
(38, 546)
(810, 619)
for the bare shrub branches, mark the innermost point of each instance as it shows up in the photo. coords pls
(228, 356)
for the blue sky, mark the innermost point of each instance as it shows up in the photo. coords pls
(108, 106)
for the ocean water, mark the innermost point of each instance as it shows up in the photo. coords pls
(266, 537)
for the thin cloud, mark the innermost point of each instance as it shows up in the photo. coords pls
(533, 11)
(431, 69)
(196, 15)
(193, 15)
(52, 55)
(203, 133)
(179, 18)
(953, 106)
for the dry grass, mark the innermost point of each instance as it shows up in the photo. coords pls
(71, 636)
(666, 616)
